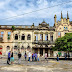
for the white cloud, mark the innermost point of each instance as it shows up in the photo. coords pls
(22, 8)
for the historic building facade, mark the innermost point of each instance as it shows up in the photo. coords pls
(37, 39)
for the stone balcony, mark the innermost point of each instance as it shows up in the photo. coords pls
(44, 42)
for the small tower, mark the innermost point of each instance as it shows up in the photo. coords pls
(55, 20)
(61, 18)
(61, 15)
(67, 17)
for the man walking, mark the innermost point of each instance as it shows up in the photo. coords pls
(19, 57)
(29, 55)
(25, 56)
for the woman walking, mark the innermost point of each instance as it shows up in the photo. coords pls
(12, 58)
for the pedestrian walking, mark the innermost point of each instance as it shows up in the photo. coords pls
(29, 55)
(35, 56)
(19, 57)
(45, 55)
(32, 57)
(25, 55)
(12, 58)
(38, 56)
(65, 56)
(8, 60)
(57, 58)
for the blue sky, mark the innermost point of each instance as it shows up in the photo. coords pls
(10, 8)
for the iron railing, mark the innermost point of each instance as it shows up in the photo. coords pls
(44, 42)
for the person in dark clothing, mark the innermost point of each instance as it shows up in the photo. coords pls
(65, 56)
(19, 57)
(25, 55)
(8, 60)
(57, 58)
(32, 57)
(35, 56)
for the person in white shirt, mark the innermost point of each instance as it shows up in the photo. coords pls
(29, 55)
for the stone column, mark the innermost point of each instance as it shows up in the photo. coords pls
(34, 37)
(48, 52)
(38, 36)
(49, 36)
(26, 37)
(12, 39)
(5, 36)
(43, 52)
(43, 37)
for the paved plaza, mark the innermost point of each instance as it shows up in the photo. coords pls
(41, 66)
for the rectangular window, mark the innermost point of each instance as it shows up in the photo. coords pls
(41, 37)
(1, 35)
(59, 34)
(46, 37)
(9, 34)
(36, 37)
(51, 37)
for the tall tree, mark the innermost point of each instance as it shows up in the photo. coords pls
(64, 43)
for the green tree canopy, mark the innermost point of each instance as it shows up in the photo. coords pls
(13, 28)
(64, 43)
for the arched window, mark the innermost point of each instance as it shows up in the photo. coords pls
(22, 47)
(16, 37)
(29, 37)
(15, 47)
(28, 48)
(59, 34)
(8, 47)
(23, 37)
(64, 27)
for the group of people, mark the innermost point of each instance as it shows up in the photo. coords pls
(35, 56)
(10, 57)
(10, 60)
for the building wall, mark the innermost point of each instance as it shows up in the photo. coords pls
(41, 29)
